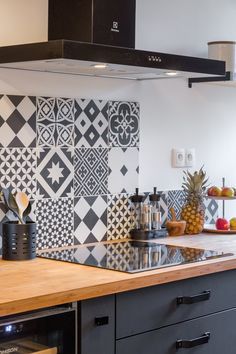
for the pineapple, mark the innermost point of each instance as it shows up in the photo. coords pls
(193, 212)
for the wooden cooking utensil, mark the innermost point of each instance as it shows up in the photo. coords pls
(22, 202)
(175, 227)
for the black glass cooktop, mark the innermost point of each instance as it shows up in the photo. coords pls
(131, 256)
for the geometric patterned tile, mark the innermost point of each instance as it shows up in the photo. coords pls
(17, 121)
(17, 170)
(46, 121)
(55, 172)
(55, 122)
(124, 124)
(90, 219)
(54, 223)
(164, 206)
(211, 210)
(91, 123)
(119, 218)
(91, 171)
(176, 200)
(65, 122)
(123, 170)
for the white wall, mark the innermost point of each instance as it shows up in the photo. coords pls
(172, 115)
(23, 21)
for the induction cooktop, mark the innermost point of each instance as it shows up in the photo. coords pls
(131, 256)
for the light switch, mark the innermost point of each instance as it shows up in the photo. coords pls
(178, 158)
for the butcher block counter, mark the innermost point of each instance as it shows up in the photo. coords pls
(40, 283)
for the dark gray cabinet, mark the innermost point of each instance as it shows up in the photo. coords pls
(198, 314)
(155, 307)
(96, 326)
(214, 334)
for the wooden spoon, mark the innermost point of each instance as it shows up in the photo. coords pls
(22, 202)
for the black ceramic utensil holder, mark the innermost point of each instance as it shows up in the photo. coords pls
(18, 241)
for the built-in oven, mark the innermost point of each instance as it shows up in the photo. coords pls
(48, 331)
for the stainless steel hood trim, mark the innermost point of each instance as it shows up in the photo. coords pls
(128, 61)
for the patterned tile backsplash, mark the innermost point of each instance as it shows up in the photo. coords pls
(78, 160)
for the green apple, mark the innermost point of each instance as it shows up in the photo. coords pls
(232, 224)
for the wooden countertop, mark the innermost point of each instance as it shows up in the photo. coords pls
(39, 283)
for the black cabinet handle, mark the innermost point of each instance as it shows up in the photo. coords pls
(193, 342)
(188, 300)
(101, 321)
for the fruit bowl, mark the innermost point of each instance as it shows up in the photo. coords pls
(210, 228)
(220, 198)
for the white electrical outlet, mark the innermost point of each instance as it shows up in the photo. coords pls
(178, 158)
(190, 157)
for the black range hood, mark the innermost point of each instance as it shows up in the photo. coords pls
(99, 41)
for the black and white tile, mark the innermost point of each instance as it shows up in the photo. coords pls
(18, 169)
(17, 121)
(54, 223)
(90, 219)
(55, 122)
(124, 121)
(91, 123)
(55, 172)
(164, 206)
(118, 217)
(65, 122)
(123, 170)
(91, 172)
(176, 200)
(211, 211)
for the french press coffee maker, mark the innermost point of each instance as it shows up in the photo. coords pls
(146, 216)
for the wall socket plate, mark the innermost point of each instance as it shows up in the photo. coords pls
(190, 157)
(182, 158)
(178, 158)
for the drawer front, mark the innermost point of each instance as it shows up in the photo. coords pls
(97, 326)
(154, 307)
(213, 334)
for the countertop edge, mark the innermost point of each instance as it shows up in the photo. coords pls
(165, 275)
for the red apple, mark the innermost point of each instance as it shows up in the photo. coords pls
(214, 191)
(227, 192)
(222, 224)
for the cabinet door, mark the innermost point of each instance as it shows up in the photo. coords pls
(97, 326)
(155, 307)
(213, 334)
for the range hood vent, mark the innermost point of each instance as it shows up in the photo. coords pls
(97, 38)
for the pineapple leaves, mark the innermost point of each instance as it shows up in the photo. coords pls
(195, 184)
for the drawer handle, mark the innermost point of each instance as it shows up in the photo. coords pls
(193, 342)
(101, 321)
(188, 300)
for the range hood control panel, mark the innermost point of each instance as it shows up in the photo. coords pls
(154, 58)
